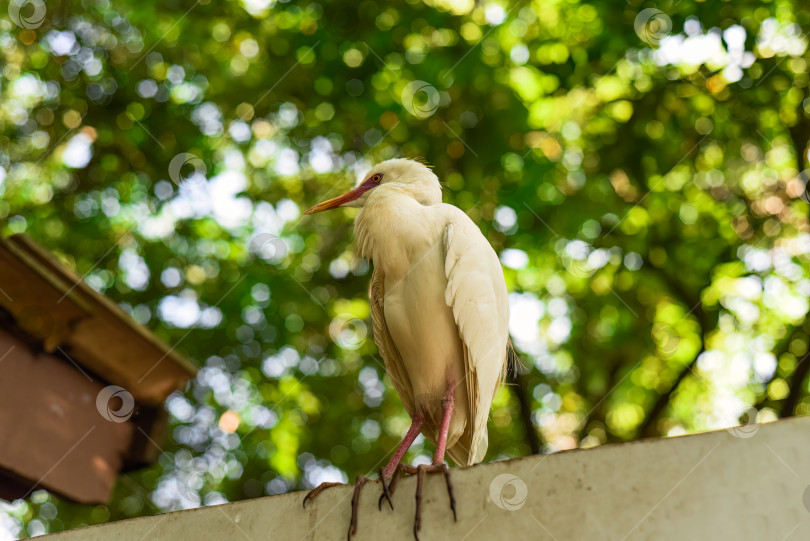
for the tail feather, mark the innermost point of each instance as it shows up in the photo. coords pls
(461, 453)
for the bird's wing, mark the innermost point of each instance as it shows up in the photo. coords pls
(477, 294)
(393, 362)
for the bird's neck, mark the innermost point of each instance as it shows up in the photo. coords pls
(394, 229)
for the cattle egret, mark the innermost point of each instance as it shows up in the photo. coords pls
(440, 312)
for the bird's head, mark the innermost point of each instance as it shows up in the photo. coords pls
(410, 176)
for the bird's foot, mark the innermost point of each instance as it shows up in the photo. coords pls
(387, 489)
(312, 494)
(358, 485)
(420, 471)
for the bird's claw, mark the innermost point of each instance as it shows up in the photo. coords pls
(317, 490)
(450, 494)
(358, 485)
(386, 492)
(420, 473)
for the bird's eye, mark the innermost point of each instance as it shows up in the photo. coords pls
(376, 178)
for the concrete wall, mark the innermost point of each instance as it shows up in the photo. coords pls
(745, 483)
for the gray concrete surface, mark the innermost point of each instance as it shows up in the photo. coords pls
(746, 483)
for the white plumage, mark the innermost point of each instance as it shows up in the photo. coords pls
(438, 303)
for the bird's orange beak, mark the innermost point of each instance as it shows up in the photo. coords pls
(335, 202)
(351, 195)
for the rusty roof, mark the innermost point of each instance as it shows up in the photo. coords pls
(54, 305)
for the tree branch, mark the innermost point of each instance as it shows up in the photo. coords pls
(521, 391)
(799, 136)
(798, 377)
(797, 386)
(647, 427)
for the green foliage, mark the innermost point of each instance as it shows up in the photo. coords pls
(640, 180)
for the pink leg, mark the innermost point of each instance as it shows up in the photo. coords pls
(407, 441)
(394, 467)
(447, 413)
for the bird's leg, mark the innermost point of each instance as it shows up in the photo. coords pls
(438, 465)
(448, 403)
(407, 441)
(392, 469)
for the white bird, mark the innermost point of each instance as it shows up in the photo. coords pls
(440, 312)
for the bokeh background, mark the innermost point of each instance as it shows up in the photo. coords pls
(638, 166)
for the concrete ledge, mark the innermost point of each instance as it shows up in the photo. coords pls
(746, 483)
